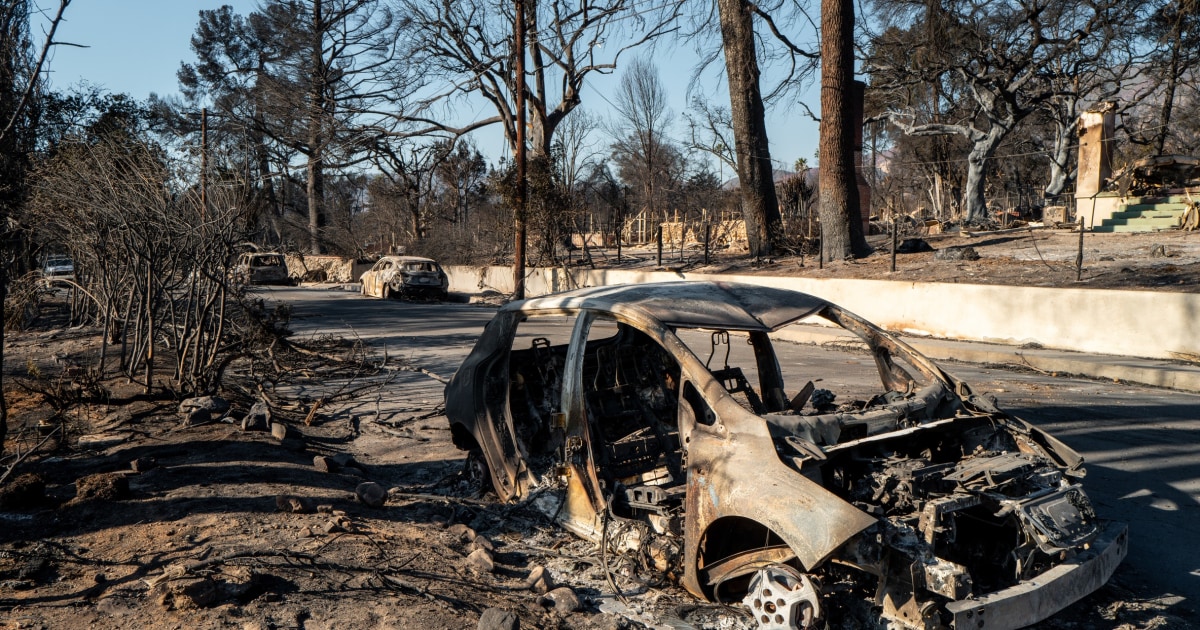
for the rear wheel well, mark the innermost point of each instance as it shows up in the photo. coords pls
(726, 537)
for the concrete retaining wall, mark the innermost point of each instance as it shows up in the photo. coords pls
(1157, 325)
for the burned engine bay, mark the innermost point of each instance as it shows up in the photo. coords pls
(700, 462)
(966, 506)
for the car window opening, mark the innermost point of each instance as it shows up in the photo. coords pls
(631, 391)
(535, 369)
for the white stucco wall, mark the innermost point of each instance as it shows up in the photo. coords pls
(1158, 325)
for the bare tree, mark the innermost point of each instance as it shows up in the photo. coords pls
(1096, 71)
(20, 74)
(409, 169)
(468, 43)
(577, 151)
(640, 105)
(710, 130)
(155, 267)
(752, 35)
(1174, 58)
(999, 52)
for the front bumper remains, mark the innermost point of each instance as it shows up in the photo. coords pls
(1036, 599)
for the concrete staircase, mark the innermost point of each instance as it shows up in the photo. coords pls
(1146, 214)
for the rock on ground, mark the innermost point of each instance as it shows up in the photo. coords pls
(258, 418)
(497, 619)
(215, 405)
(371, 494)
(481, 561)
(197, 417)
(563, 599)
(539, 580)
(462, 532)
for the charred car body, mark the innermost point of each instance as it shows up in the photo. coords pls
(58, 268)
(405, 277)
(262, 268)
(921, 503)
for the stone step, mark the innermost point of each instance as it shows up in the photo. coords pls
(1154, 207)
(1131, 228)
(1148, 214)
(1160, 222)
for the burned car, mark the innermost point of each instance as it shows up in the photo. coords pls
(405, 277)
(57, 268)
(261, 268)
(657, 419)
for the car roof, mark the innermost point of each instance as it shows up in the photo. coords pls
(404, 259)
(688, 304)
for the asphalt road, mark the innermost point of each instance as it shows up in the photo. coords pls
(1142, 444)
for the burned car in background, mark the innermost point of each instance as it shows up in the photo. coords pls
(405, 277)
(261, 268)
(912, 502)
(57, 268)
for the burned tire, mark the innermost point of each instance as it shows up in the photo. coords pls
(476, 474)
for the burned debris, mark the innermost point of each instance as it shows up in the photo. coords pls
(659, 422)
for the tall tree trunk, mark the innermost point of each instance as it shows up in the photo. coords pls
(1060, 155)
(520, 213)
(1164, 118)
(760, 205)
(982, 150)
(316, 203)
(839, 184)
(316, 140)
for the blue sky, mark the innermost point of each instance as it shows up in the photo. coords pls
(136, 46)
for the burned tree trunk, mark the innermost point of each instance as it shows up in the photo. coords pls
(839, 186)
(316, 136)
(760, 205)
(975, 210)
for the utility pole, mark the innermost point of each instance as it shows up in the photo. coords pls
(519, 224)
